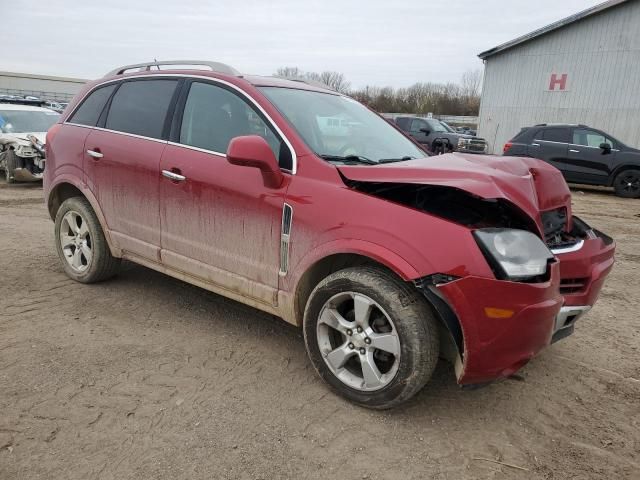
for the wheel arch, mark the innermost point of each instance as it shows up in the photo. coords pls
(619, 170)
(67, 188)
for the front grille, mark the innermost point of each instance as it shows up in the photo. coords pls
(572, 285)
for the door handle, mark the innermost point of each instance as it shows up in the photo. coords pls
(95, 154)
(574, 151)
(176, 177)
(535, 144)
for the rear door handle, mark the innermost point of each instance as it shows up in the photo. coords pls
(574, 151)
(95, 153)
(535, 144)
(176, 177)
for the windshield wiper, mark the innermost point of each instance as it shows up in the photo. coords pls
(391, 160)
(349, 158)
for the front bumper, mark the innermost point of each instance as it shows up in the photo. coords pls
(504, 324)
(25, 175)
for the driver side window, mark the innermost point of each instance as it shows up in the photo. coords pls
(213, 116)
(589, 138)
(416, 125)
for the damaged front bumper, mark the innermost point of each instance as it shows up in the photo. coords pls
(502, 324)
(25, 175)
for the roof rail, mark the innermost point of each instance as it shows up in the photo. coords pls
(214, 66)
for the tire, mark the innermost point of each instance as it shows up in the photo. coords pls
(10, 164)
(81, 244)
(627, 184)
(340, 353)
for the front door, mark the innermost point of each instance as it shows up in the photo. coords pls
(220, 223)
(587, 161)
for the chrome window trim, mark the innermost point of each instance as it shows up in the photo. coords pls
(198, 149)
(244, 95)
(572, 248)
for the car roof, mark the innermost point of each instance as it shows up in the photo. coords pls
(255, 80)
(29, 108)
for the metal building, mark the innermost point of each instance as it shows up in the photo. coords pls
(44, 86)
(582, 69)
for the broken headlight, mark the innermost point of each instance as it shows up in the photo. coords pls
(513, 254)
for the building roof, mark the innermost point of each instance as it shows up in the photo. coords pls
(551, 27)
(43, 77)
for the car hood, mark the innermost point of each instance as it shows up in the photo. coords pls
(22, 137)
(530, 184)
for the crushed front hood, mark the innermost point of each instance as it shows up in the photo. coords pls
(530, 184)
(21, 137)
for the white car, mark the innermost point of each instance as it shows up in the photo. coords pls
(22, 135)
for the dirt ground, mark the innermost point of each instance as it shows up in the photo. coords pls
(147, 377)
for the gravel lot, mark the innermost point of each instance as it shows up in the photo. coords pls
(144, 377)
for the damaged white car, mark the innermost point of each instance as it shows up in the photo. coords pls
(22, 135)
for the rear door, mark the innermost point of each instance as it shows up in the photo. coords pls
(587, 162)
(219, 222)
(122, 162)
(551, 144)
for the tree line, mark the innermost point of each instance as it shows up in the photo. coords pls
(462, 98)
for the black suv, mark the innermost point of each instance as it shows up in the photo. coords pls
(583, 155)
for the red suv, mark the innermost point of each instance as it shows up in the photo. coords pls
(303, 203)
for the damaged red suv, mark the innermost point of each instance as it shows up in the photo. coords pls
(303, 203)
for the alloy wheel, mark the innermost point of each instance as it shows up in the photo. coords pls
(358, 341)
(75, 240)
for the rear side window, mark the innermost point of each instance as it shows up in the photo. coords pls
(140, 107)
(90, 110)
(556, 135)
(524, 136)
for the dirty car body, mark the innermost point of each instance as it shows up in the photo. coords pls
(338, 218)
(22, 136)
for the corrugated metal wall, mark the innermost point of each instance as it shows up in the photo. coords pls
(601, 57)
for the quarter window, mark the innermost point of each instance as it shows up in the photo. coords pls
(589, 138)
(89, 112)
(213, 116)
(140, 107)
(560, 135)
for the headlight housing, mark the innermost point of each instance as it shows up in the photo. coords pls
(513, 254)
(463, 142)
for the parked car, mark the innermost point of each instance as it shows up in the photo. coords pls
(23, 126)
(386, 258)
(55, 106)
(583, 154)
(439, 137)
(466, 130)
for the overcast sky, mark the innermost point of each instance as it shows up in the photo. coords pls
(375, 42)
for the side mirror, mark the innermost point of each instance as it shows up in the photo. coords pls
(254, 151)
(606, 147)
(426, 131)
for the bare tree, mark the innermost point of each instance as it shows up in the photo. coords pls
(334, 80)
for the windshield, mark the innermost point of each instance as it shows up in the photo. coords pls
(340, 129)
(447, 127)
(26, 121)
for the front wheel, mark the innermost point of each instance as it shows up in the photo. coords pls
(371, 336)
(627, 184)
(10, 164)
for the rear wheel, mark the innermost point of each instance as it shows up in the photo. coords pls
(10, 164)
(81, 244)
(371, 336)
(627, 184)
